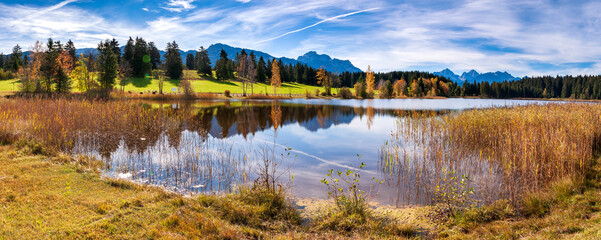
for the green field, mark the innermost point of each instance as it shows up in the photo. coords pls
(7, 85)
(199, 84)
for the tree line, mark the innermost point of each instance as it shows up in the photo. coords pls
(55, 67)
(575, 87)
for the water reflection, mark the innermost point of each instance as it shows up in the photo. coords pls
(213, 146)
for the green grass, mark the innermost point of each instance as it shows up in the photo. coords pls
(48, 195)
(206, 84)
(7, 85)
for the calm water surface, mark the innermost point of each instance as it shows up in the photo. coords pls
(224, 142)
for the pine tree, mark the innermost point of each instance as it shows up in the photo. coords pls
(190, 62)
(70, 48)
(155, 55)
(173, 61)
(107, 65)
(223, 70)
(261, 71)
(63, 83)
(203, 63)
(16, 58)
(128, 53)
(141, 59)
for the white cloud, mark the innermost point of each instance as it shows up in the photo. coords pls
(320, 22)
(243, 1)
(179, 5)
(414, 35)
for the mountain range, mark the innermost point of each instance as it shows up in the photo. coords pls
(473, 76)
(311, 58)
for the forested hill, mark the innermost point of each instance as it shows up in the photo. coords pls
(311, 58)
(575, 87)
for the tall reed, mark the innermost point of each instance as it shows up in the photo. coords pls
(506, 152)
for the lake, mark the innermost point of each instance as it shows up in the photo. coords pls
(223, 144)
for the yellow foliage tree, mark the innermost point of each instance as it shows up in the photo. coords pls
(370, 80)
(325, 80)
(276, 80)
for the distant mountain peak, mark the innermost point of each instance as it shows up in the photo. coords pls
(315, 60)
(311, 58)
(474, 76)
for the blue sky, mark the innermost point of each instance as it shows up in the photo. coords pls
(530, 37)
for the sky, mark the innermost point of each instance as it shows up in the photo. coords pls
(522, 37)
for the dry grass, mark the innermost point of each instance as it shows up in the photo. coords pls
(52, 197)
(264, 96)
(59, 123)
(506, 152)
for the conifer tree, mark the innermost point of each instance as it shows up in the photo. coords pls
(173, 61)
(141, 59)
(203, 63)
(16, 58)
(223, 70)
(107, 64)
(70, 48)
(261, 74)
(190, 62)
(155, 55)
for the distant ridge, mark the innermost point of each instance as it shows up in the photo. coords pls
(474, 76)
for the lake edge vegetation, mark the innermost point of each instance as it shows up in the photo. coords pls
(36, 134)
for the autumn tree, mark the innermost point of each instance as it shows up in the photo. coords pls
(64, 65)
(31, 80)
(275, 80)
(325, 80)
(160, 76)
(81, 76)
(246, 71)
(370, 80)
(400, 87)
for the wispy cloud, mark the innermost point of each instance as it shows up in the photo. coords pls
(179, 5)
(317, 23)
(51, 8)
(527, 37)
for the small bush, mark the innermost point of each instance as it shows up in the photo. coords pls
(345, 93)
(6, 75)
(536, 204)
(498, 210)
(316, 92)
(227, 93)
(386, 91)
(187, 89)
(361, 90)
